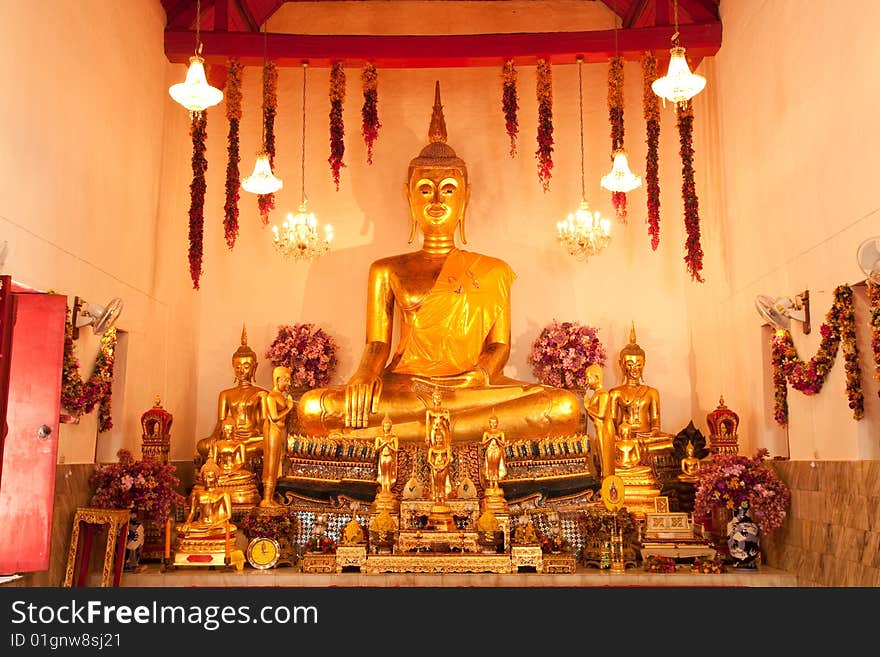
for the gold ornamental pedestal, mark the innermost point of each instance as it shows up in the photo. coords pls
(494, 501)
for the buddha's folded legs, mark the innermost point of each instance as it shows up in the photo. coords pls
(524, 410)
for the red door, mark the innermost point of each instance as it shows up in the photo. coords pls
(30, 427)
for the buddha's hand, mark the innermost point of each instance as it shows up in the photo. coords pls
(361, 398)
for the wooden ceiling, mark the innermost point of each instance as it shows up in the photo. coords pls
(233, 28)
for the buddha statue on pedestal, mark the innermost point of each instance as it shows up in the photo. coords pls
(439, 458)
(387, 447)
(208, 529)
(229, 453)
(494, 467)
(690, 466)
(634, 408)
(454, 309)
(244, 401)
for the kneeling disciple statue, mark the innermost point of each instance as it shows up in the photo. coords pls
(454, 333)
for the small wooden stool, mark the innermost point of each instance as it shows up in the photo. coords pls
(80, 551)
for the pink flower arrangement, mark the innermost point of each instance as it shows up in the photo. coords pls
(562, 352)
(146, 487)
(307, 350)
(735, 481)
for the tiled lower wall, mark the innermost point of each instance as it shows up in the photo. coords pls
(832, 534)
(72, 491)
(831, 537)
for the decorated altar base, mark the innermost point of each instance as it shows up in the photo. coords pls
(439, 563)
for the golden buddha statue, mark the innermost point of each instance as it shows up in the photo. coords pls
(210, 508)
(494, 442)
(439, 458)
(229, 453)
(454, 309)
(278, 405)
(386, 446)
(690, 465)
(244, 401)
(634, 408)
(599, 411)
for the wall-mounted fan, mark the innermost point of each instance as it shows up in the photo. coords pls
(100, 318)
(778, 312)
(868, 255)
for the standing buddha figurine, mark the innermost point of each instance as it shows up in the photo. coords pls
(386, 446)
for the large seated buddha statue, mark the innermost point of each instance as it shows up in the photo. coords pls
(243, 402)
(454, 333)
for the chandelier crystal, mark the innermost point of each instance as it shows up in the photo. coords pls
(620, 178)
(584, 233)
(194, 93)
(298, 237)
(262, 180)
(679, 85)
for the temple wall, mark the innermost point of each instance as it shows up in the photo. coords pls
(786, 191)
(509, 215)
(81, 176)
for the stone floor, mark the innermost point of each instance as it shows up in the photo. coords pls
(582, 577)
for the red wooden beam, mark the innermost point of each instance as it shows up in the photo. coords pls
(635, 13)
(248, 16)
(698, 11)
(429, 51)
(221, 16)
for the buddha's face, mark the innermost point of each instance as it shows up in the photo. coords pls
(244, 367)
(283, 382)
(493, 422)
(437, 198)
(228, 430)
(633, 366)
(386, 426)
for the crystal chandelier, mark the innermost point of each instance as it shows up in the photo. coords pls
(195, 94)
(679, 85)
(262, 180)
(298, 238)
(620, 178)
(584, 233)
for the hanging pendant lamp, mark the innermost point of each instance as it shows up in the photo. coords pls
(194, 93)
(620, 178)
(262, 180)
(679, 85)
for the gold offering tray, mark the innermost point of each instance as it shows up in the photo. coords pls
(436, 541)
(439, 563)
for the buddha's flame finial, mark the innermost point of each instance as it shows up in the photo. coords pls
(721, 402)
(243, 335)
(437, 130)
(632, 333)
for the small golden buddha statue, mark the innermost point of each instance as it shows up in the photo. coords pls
(353, 534)
(454, 310)
(635, 414)
(524, 533)
(229, 453)
(494, 467)
(690, 465)
(278, 404)
(599, 411)
(386, 446)
(210, 508)
(439, 458)
(244, 401)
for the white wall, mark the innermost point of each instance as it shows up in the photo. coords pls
(80, 186)
(788, 193)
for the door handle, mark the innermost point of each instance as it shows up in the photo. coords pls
(43, 432)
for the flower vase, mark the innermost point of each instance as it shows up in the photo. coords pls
(134, 543)
(743, 540)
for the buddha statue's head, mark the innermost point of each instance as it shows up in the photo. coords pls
(227, 428)
(210, 472)
(632, 358)
(386, 423)
(281, 378)
(437, 186)
(244, 360)
(593, 376)
(493, 421)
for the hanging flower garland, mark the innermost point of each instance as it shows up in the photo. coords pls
(615, 116)
(694, 255)
(651, 104)
(809, 377)
(199, 132)
(369, 113)
(874, 299)
(544, 92)
(80, 397)
(337, 127)
(233, 178)
(509, 103)
(266, 202)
